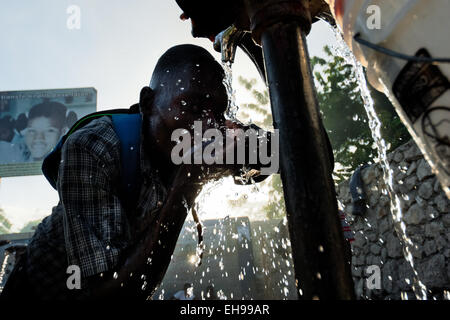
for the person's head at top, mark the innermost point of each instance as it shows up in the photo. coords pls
(186, 86)
(46, 124)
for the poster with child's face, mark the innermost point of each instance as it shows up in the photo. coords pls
(33, 121)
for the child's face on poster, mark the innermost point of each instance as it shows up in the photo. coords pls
(41, 136)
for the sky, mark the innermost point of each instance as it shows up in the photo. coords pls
(114, 50)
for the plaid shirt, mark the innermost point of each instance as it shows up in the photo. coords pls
(89, 227)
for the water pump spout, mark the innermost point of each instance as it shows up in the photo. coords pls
(227, 41)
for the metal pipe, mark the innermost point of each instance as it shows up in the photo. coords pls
(316, 236)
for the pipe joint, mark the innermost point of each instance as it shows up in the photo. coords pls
(266, 13)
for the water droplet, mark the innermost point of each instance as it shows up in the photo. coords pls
(115, 275)
(183, 103)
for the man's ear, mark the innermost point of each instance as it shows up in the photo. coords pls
(146, 100)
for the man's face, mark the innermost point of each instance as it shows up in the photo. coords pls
(197, 94)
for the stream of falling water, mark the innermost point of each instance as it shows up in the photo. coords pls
(375, 126)
(232, 108)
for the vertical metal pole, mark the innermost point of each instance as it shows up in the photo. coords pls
(316, 236)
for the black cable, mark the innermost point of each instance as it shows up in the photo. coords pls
(397, 54)
(435, 135)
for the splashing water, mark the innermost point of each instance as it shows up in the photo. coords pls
(222, 200)
(231, 113)
(3, 269)
(375, 126)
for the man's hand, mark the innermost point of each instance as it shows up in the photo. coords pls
(195, 174)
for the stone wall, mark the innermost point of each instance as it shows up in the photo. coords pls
(379, 241)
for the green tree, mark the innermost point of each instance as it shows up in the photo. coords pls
(261, 106)
(345, 118)
(276, 207)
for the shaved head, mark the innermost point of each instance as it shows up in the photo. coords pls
(187, 85)
(180, 59)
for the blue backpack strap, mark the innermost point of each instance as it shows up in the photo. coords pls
(51, 162)
(128, 129)
(127, 124)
